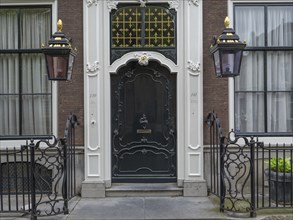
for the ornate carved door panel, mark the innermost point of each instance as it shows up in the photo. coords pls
(143, 123)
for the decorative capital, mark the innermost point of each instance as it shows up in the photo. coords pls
(112, 5)
(91, 2)
(143, 58)
(92, 68)
(194, 67)
(174, 5)
(195, 2)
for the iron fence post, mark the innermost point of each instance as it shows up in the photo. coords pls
(252, 178)
(222, 182)
(63, 142)
(33, 182)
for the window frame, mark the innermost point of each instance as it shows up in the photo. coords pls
(272, 137)
(17, 140)
(166, 51)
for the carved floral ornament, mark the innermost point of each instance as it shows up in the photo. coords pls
(194, 67)
(174, 5)
(112, 5)
(91, 2)
(143, 58)
(91, 69)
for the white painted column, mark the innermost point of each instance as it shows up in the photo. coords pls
(93, 185)
(181, 91)
(194, 184)
(97, 94)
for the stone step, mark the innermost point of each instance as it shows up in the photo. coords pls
(144, 190)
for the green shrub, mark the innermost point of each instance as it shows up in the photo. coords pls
(281, 164)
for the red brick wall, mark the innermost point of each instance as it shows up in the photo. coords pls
(70, 94)
(215, 90)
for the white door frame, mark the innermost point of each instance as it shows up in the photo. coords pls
(97, 90)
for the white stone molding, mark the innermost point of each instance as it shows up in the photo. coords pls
(140, 54)
(152, 55)
(194, 164)
(91, 69)
(93, 148)
(93, 169)
(195, 2)
(174, 5)
(91, 2)
(193, 67)
(194, 148)
(97, 93)
(112, 5)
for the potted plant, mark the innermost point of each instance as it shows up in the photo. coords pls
(280, 176)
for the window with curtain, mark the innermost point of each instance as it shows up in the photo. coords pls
(25, 92)
(264, 89)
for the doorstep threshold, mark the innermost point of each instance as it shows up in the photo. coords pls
(144, 190)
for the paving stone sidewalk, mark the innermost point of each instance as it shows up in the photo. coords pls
(154, 208)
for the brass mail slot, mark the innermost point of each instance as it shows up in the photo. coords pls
(144, 131)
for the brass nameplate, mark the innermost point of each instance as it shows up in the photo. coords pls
(144, 131)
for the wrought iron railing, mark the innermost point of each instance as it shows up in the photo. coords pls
(274, 188)
(241, 173)
(39, 178)
(216, 136)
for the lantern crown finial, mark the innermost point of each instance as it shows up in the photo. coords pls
(59, 25)
(227, 22)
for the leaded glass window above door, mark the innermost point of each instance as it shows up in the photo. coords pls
(151, 28)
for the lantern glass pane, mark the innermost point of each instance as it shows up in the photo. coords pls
(227, 62)
(57, 67)
(70, 66)
(231, 61)
(237, 61)
(217, 63)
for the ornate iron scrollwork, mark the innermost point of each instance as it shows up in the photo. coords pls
(236, 171)
(50, 154)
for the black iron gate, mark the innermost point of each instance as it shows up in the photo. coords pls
(39, 178)
(143, 123)
(241, 172)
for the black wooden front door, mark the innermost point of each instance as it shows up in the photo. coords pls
(143, 114)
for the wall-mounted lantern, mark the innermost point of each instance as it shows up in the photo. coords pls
(59, 56)
(227, 52)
